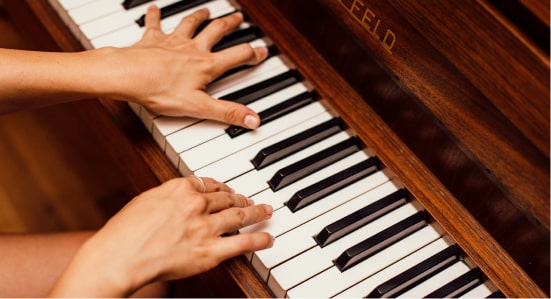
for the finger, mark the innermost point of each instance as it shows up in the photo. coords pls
(232, 219)
(208, 185)
(225, 111)
(238, 55)
(219, 201)
(189, 24)
(217, 29)
(153, 18)
(235, 245)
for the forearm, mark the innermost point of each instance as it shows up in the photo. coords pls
(33, 79)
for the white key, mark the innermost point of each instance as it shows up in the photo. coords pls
(368, 279)
(165, 125)
(256, 181)
(131, 34)
(482, 291)
(93, 10)
(223, 146)
(240, 162)
(72, 4)
(436, 281)
(317, 259)
(301, 238)
(277, 199)
(119, 19)
(206, 130)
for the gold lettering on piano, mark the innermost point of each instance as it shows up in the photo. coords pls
(359, 10)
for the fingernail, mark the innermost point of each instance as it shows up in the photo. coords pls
(269, 210)
(251, 122)
(273, 241)
(250, 202)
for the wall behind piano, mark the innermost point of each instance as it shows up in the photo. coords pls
(61, 168)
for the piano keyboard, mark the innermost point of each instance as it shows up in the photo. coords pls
(344, 225)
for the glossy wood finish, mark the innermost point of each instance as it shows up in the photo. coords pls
(439, 112)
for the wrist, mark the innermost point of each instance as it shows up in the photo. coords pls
(97, 271)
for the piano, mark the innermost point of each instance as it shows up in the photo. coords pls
(405, 146)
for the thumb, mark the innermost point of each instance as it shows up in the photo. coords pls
(231, 113)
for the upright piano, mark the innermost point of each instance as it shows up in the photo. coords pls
(405, 143)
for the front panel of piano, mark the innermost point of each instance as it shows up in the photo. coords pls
(340, 172)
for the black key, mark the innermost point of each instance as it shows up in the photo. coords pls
(237, 37)
(308, 165)
(380, 241)
(332, 184)
(458, 286)
(259, 90)
(496, 294)
(359, 218)
(416, 274)
(293, 144)
(276, 111)
(128, 4)
(173, 9)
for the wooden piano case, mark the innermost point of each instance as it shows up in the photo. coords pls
(454, 99)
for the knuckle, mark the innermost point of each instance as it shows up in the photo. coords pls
(241, 217)
(219, 24)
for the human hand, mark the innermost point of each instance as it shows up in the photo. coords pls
(175, 68)
(169, 232)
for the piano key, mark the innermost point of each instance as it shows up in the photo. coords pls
(248, 77)
(238, 163)
(166, 125)
(274, 112)
(223, 146)
(131, 34)
(254, 182)
(118, 19)
(174, 8)
(361, 216)
(128, 4)
(300, 238)
(93, 10)
(204, 131)
(237, 37)
(261, 89)
(437, 280)
(484, 290)
(357, 281)
(458, 286)
(313, 193)
(277, 199)
(496, 294)
(300, 169)
(412, 276)
(317, 259)
(274, 152)
(374, 244)
(72, 4)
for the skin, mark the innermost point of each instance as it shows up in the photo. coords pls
(173, 231)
